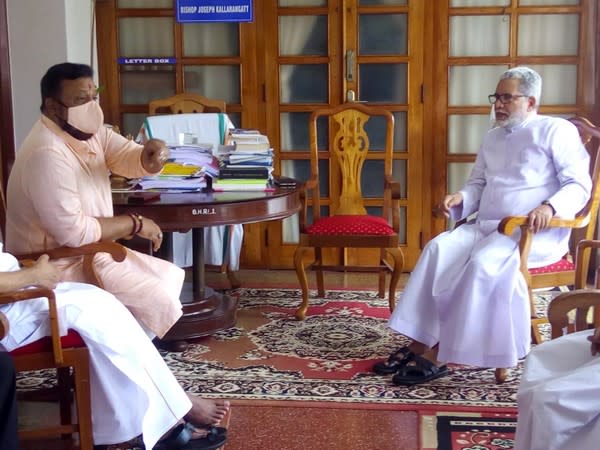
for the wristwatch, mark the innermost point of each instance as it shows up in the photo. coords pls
(547, 202)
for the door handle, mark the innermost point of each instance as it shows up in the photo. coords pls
(350, 65)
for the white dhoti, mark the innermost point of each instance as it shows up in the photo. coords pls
(558, 396)
(467, 294)
(133, 391)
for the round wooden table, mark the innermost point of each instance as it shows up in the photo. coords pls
(207, 311)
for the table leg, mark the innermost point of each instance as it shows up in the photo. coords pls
(207, 311)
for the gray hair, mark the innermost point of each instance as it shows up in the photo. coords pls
(530, 82)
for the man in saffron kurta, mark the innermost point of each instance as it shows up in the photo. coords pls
(466, 298)
(59, 195)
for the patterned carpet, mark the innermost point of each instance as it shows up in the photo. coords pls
(459, 431)
(327, 357)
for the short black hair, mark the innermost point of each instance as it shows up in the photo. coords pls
(51, 83)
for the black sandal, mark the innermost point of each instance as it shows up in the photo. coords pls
(180, 438)
(419, 370)
(395, 362)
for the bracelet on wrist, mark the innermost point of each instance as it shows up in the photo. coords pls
(138, 223)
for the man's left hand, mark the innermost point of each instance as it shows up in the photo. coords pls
(154, 155)
(540, 217)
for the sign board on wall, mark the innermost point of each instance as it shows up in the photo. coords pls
(147, 60)
(214, 10)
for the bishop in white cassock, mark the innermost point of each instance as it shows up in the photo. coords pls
(466, 294)
(133, 392)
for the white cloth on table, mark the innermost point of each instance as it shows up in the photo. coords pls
(222, 244)
(133, 391)
(558, 396)
(466, 292)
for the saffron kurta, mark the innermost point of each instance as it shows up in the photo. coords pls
(466, 292)
(57, 189)
(133, 391)
(558, 396)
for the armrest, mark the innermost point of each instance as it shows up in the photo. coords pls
(117, 251)
(28, 294)
(311, 184)
(508, 224)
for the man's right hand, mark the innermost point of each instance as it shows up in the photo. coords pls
(46, 274)
(443, 208)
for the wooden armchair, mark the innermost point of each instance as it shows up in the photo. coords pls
(569, 312)
(562, 273)
(65, 354)
(348, 225)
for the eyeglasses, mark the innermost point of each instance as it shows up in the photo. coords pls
(504, 98)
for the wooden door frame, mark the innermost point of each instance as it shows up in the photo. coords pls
(7, 132)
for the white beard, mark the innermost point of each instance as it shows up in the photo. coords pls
(512, 121)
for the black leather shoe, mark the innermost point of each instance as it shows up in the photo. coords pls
(171, 346)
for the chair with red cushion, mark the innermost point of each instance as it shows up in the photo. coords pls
(563, 272)
(67, 354)
(348, 225)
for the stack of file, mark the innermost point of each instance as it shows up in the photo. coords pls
(185, 170)
(245, 162)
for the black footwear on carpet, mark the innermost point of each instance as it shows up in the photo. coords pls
(181, 438)
(418, 370)
(395, 361)
(171, 346)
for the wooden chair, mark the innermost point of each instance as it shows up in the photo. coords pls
(65, 354)
(562, 273)
(187, 103)
(570, 311)
(348, 225)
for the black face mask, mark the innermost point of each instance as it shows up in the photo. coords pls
(70, 129)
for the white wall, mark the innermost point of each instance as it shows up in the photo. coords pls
(41, 34)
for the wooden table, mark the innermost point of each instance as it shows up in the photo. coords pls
(208, 311)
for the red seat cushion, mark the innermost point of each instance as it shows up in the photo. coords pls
(351, 225)
(71, 339)
(561, 266)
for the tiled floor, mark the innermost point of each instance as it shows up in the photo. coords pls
(292, 425)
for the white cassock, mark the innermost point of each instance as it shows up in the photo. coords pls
(558, 396)
(133, 391)
(466, 292)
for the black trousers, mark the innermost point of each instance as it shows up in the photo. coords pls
(8, 404)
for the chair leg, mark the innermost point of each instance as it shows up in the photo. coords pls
(382, 273)
(501, 374)
(303, 280)
(319, 272)
(395, 278)
(65, 397)
(536, 335)
(234, 282)
(84, 404)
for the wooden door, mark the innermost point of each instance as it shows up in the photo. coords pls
(323, 53)
(477, 41)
